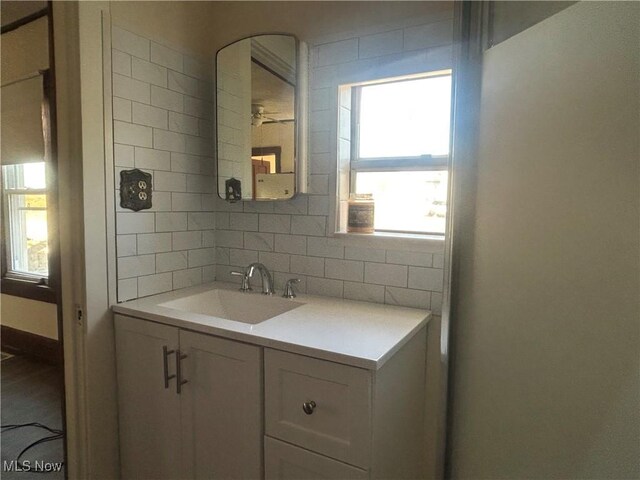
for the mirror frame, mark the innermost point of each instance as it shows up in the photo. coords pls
(300, 160)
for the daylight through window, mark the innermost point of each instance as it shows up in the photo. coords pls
(399, 147)
(25, 228)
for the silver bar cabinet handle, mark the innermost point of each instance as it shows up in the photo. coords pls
(165, 361)
(179, 357)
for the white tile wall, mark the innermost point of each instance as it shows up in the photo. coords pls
(163, 98)
(159, 96)
(167, 57)
(131, 89)
(337, 52)
(381, 44)
(364, 292)
(122, 109)
(150, 116)
(130, 43)
(148, 72)
(186, 243)
(147, 158)
(344, 269)
(132, 134)
(292, 238)
(407, 297)
(324, 247)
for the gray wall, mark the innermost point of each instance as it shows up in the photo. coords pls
(546, 380)
(507, 19)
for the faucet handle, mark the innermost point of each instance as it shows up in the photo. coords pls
(288, 288)
(245, 286)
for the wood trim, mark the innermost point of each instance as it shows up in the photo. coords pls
(17, 341)
(26, 289)
(51, 162)
(24, 20)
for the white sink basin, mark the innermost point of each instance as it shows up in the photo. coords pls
(242, 307)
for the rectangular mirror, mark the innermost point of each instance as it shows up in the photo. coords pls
(257, 124)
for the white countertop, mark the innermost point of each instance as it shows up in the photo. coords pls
(360, 334)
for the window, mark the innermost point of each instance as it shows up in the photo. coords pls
(25, 215)
(28, 259)
(398, 147)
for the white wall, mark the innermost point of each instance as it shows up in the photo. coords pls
(546, 374)
(205, 27)
(39, 318)
(162, 113)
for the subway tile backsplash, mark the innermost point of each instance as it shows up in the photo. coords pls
(293, 238)
(163, 123)
(159, 99)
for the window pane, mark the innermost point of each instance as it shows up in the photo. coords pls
(29, 250)
(26, 222)
(405, 118)
(25, 175)
(34, 175)
(407, 201)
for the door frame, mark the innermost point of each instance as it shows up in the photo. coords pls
(470, 30)
(87, 257)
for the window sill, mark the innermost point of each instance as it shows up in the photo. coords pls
(401, 241)
(26, 289)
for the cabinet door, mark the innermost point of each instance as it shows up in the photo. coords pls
(149, 413)
(338, 425)
(283, 461)
(221, 406)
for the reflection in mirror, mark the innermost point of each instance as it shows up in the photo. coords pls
(256, 118)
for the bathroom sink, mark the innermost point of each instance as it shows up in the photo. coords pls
(249, 308)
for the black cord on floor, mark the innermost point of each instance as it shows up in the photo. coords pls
(57, 435)
(6, 428)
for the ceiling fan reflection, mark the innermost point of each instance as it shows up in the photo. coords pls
(259, 116)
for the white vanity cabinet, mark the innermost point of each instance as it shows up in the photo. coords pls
(333, 421)
(324, 391)
(149, 413)
(209, 427)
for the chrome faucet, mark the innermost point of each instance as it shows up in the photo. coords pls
(267, 281)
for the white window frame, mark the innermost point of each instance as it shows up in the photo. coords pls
(388, 164)
(11, 225)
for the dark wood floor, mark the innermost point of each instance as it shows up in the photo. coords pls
(31, 392)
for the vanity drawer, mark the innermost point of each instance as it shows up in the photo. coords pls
(337, 423)
(283, 461)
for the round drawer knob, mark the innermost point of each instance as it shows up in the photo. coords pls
(309, 407)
